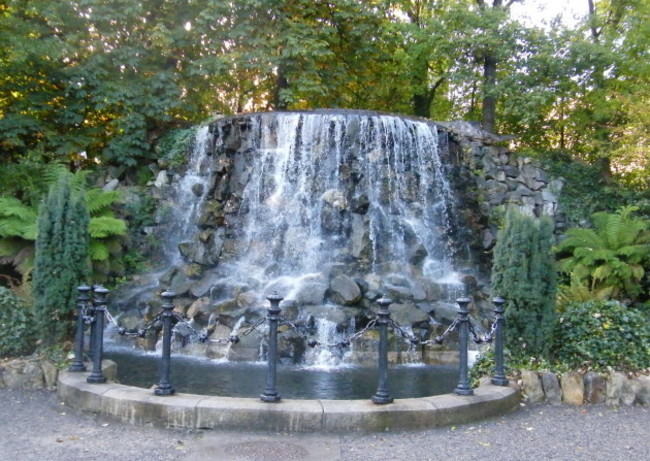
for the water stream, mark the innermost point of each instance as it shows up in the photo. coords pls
(303, 203)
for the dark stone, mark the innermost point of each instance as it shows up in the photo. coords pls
(595, 387)
(552, 389)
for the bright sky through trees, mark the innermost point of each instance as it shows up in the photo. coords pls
(535, 12)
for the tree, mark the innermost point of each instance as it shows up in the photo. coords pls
(61, 263)
(524, 273)
(491, 58)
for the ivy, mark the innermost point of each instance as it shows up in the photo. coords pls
(602, 334)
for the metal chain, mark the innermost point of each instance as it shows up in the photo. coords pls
(411, 338)
(439, 339)
(236, 338)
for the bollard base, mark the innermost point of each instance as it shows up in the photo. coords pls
(96, 379)
(270, 398)
(497, 381)
(164, 391)
(462, 390)
(77, 367)
(381, 399)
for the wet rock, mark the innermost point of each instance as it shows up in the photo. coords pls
(199, 308)
(344, 290)
(311, 289)
(248, 299)
(417, 253)
(180, 283)
(408, 315)
(161, 179)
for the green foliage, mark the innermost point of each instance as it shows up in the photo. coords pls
(485, 364)
(577, 291)
(17, 324)
(524, 273)
(611, 255)
(105, 80)
(18, 226)
(62, 262)
(173, 146)
(602, 334)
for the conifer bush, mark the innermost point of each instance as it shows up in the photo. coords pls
(524, 274)
(61, 262)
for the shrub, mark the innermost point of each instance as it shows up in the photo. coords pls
(524, 273)
(62, 261)
(17, 323)
(600, 334)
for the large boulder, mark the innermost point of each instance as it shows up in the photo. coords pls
(344, 290)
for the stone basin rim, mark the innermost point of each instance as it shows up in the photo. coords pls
(140, 407)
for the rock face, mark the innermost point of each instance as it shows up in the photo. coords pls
(337, 208)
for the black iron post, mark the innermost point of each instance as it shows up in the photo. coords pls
(82, 303)
(463, 387)
(164, 387)
(382, 395)
(99, 305)
(499, 377)
(90, 311)
(270, 393)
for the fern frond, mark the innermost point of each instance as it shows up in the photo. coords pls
(80, 180)
(105, 226)
(580, 238)
(98, 200)
(97, 251)
(53, 171)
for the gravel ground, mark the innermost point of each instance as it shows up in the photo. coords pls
(35, 426)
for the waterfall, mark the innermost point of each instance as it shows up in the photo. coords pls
(190, 191)
(327, 355)
(317, 182)
(311, 204)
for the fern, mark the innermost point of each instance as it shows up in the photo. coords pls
(609, 256)
(18, 222)
(97, 251)
(577, 292)
(100, 201)
(105, 226)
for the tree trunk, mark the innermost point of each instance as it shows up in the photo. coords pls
(281, 83)
(489, 99)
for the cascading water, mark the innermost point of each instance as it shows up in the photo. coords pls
(329, 209)
(319, 181)
(190, 191)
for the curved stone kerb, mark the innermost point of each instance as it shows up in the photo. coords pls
(141, 407)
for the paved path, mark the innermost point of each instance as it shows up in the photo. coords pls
(35, 426)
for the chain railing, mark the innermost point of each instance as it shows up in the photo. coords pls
(92, 311)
